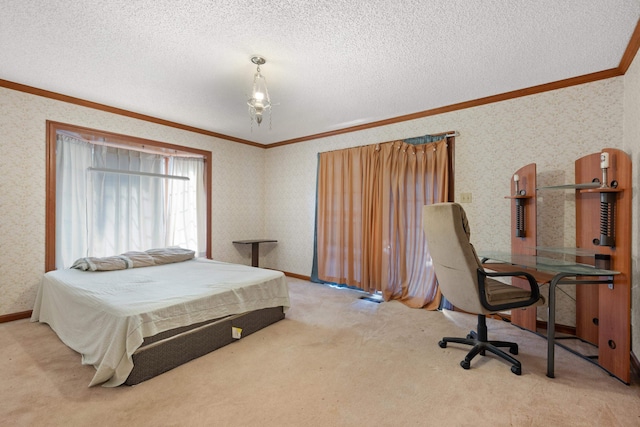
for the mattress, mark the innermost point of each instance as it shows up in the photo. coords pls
(170, 349)
(106, 315)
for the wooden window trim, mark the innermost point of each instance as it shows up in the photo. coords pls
(98, 135)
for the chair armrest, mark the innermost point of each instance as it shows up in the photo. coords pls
(533, 288)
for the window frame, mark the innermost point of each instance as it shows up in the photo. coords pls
(101, 136)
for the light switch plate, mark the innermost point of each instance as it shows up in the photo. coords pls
(465, 197)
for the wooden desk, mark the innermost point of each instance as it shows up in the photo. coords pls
(554, 272)
(255, 248)
(603, 214)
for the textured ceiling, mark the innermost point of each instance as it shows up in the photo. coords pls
(330, 64)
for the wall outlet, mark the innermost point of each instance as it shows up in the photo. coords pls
(465, 197)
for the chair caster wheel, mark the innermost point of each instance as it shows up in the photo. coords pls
(469, 336)
(513, 350)
(442, 344)
(465, 364)
(516, 370)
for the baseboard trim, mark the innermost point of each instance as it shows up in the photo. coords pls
(635, 367)
(540, 324)
(560, 329)
(15, 316)
(297, 276)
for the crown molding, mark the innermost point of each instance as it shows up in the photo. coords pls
(627, 58)
(102, 107)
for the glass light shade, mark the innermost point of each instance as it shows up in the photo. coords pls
(259, 101)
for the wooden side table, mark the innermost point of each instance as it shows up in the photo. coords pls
(255, 248)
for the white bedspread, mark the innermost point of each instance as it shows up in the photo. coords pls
(105, 315)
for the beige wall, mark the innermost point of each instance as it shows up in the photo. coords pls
(551, 129)
(271, 193)
(237, 190)
(632, 146)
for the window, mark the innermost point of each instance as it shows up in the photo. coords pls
(109, 193)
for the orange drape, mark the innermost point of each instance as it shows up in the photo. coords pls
(369, 231)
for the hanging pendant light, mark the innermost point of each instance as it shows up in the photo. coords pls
(260, 102)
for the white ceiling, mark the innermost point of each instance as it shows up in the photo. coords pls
(330, 64)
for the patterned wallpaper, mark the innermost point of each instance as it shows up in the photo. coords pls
(271, 193)
(632, 146)
(552, 129)
(237, 190)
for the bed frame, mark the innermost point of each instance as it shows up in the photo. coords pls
(170, 349)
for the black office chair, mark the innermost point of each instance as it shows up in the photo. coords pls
(465, 283)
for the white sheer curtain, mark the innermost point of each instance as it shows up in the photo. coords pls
(73, 158)
(186, 208)
(126, 212)
(103, 213)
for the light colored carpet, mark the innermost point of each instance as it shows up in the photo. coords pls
(335, 360)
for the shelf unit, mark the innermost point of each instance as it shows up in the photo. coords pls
(524, 243)
(603, 314)
(603, 226)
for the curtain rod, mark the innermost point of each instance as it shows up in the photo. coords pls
(149, 174)
(160, 151)
(448, 134)
(165, 152)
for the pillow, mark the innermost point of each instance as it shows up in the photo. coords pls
(139, 259)
(110, 263)
(170, 255)
(135, 259)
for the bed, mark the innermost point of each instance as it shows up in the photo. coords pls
(135, 323)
